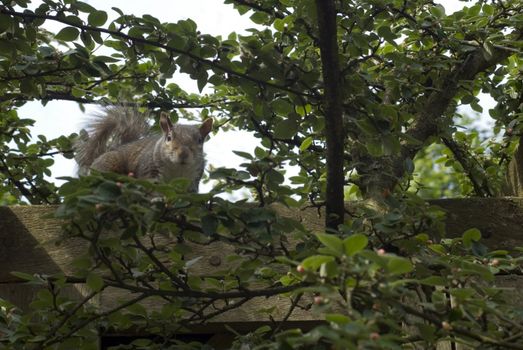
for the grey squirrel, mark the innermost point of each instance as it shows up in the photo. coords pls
(120, 141)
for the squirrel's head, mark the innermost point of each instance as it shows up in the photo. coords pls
(183, 144)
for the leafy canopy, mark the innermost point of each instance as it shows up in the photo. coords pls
(381, 92)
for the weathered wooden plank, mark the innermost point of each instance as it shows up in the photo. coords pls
(500, 220)
(28, 241)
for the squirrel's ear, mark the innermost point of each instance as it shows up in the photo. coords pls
(206, 127)
(165, 123)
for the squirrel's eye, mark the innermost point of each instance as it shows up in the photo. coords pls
(169, 137)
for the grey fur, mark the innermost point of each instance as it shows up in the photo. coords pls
(120, 141)
(106, 131)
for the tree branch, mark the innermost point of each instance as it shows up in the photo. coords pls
(333, 109)
(86, 322)
(63, 96)
(245, 293)
(471, 166)
(428, 120)
(31, 197)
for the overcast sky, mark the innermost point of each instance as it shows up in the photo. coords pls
(213, 17)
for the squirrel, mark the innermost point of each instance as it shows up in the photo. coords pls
(120, 141)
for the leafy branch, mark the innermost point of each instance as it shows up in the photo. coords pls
(118, 34)
(433, 113)
(64, 96)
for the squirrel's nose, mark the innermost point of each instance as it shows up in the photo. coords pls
(183, 154)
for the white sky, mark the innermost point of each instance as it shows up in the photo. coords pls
(213, 17)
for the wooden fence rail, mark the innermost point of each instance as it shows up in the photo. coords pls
(28, 244)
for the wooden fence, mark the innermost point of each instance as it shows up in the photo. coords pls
(27, 244)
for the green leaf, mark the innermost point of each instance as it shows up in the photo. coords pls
(243, 154)
(82, 263)
(474, 10)
(27, 86)
(260, 152)
(25, 276)
(366, 126)
(279, 25)
(97, 18)
(488, 9)
(337, 318)
(390, 144)
(471, 235)
(286, 128)
(7, 49)
(275, 176)
(87, 40)
(67, 34)
(77, 92)
(137, 309)
(398, 265)
(5, 22)
(477, 269)
(117, 10)
(201, 82)
(488, 50)
(433, 281)
(303, 110)
(84, 7)
(374, 147)
(462, 293)
(260, 18)
(315, 261)
(333, 242)
(94, 282)
(108, 190)
(467, 99)
(306, 143)
(355, 243)
(45, 296)
(386, 33)
(282, 107)
(427, 332)
(438, 11)
(263, 329)
(438, 248)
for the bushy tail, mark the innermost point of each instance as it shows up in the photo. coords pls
(113, 127)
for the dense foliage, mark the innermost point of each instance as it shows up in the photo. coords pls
(368, 90)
